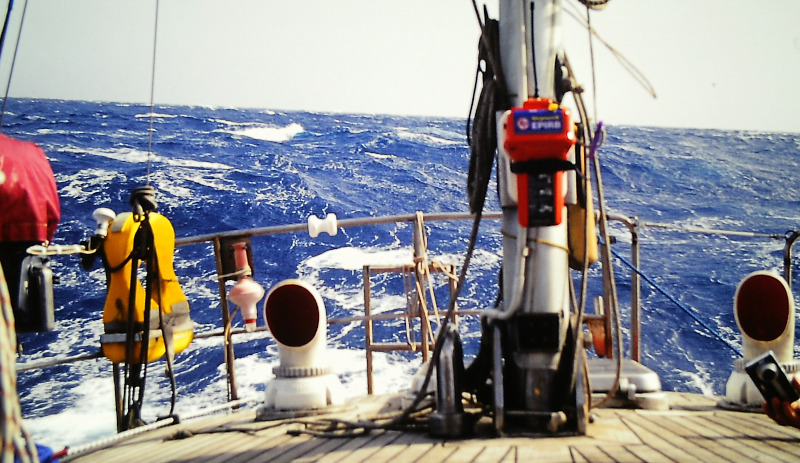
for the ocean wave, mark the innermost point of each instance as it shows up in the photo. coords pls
(426, 138)
(155, 115)
(135, 156)
(269, 133)
(86, 185)
(360, 165)
(378, 155)
(352, 258)
(90, 399)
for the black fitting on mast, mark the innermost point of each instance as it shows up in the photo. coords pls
(143, 200)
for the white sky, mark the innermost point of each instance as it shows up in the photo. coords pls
(731, 64)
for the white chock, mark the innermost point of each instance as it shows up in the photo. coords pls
(327, 225)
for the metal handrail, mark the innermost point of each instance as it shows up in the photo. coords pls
(343, 223)
(632, 224)
(636, 311)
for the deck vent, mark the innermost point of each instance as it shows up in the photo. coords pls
(296, 318)
(764, 311)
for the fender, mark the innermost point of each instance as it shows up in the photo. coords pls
(167, 296)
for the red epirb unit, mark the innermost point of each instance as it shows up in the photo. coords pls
(538, 137)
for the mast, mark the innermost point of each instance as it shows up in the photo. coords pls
(535, 319)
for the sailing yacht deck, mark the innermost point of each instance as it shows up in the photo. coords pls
(694, 429)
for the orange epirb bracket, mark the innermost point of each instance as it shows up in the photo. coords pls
(538, 137)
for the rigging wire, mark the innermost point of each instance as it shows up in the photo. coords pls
(406, 416)
(152, 93)
(14, 56)
(627, 65)
(586, 177)
(596, 141)
(5, 24)
(591, 58)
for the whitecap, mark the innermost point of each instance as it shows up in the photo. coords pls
(130, 155)
(269, 133)
(352, 258)
(158, 115)
(194, 164)
(135, 156)
(378, 155)
(424, 138)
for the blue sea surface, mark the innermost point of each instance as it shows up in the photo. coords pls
(217, 169)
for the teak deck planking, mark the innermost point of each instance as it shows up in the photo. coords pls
(694, 429)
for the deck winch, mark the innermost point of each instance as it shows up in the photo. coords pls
(296, 317)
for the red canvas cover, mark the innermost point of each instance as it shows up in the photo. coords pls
(29, 206)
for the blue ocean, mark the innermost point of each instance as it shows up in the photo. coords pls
(218, 169)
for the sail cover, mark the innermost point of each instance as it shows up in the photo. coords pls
(29, 206)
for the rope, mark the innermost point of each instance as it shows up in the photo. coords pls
(493, 97)
(241, 272)
(16, 441)
(680, 305)
(407, 288)
(406, 416)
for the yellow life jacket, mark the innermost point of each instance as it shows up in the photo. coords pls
(166, 298)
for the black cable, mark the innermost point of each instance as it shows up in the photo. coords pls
(533, 56)
(13, 60)
(5, 26)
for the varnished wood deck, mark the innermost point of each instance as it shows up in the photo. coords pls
(694, 429)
